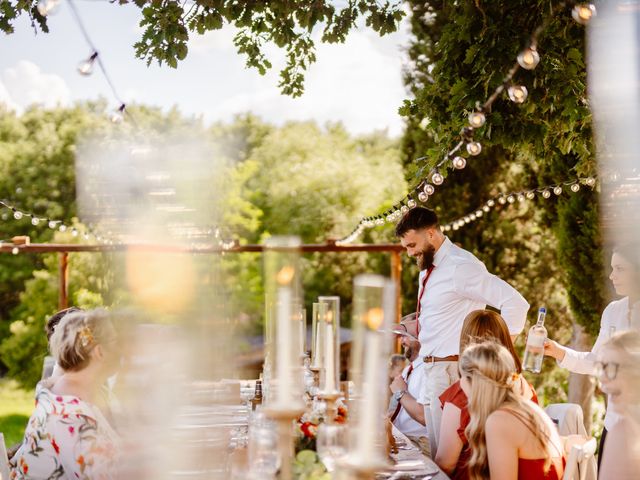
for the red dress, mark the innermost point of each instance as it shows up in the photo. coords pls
(533, 469)
(457, 397)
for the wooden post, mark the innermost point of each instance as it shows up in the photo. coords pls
(63, 294)
(396, 276)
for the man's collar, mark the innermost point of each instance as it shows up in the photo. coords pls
(417, 361)
(442, 252)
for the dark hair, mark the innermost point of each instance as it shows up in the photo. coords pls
(482, 325)
(630, 252)
(54, 320)
(416, 219)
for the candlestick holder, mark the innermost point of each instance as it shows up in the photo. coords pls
(283, 416)
(330, 398)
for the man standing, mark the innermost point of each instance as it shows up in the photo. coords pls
(408, 413)
(452, 283)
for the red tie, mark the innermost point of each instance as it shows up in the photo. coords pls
(399, 406)
(424, 287)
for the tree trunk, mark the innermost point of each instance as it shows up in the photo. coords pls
(581, 387)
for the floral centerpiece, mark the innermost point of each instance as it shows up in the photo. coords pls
(307, 424)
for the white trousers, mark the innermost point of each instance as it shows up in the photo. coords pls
(438, 377)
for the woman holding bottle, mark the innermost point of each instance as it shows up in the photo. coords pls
(619, 316)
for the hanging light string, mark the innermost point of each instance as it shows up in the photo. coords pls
(528, 59)
(86, 66)
(522, 196)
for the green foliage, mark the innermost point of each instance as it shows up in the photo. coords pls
(16, 405)
(288, 24)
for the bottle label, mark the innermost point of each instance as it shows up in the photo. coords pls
(536, 341)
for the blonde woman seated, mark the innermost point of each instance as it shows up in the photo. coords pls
(67, 436)
(510, 437)
(454, 454)
(620, 377)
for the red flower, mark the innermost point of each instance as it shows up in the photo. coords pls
(309, 429)
(75, 401)
(71, 430)
(59, 399)
(55, 445)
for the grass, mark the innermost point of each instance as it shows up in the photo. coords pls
(16, 406)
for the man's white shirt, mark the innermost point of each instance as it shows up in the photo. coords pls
(403, 421)
(459, 284)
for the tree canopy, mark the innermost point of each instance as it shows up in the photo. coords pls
(290, 25)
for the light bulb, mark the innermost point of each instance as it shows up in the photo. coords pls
(86, 236)
(85, 67)
(590, 181)
(531, 195)
(546, 194)
(62, 228)
(502, 200)
(575, 187)
(518, 93)
(35, 221)
(437, 178)
(474, 148)
(17, 214)
(456, 226)
(486, 209)
(511, 199)
(491, 203)
(472, 216)
(411, 203)
(429, 189)
(459, 162)
(467, 219)
(74, 232)
(118, 115)
(583, 13)
(446, 228)
(479, 213)
(404, 209)
(390, 218)
(477, 119)
(521, 197)
(48, 7)
(557, 190)
(15, 250)
(423, 197)
(529, 58)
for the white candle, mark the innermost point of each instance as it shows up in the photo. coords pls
(319, 334)
(303, 333)
(329, 355)
(283, 336)
(370, 403)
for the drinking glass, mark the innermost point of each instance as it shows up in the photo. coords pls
(331, 444)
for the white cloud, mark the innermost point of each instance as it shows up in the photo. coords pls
(25, 84)
(213, 41)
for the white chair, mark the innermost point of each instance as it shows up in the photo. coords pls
(568, 417)
(580, 461)
(4, 460)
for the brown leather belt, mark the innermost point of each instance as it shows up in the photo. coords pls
(450, 358)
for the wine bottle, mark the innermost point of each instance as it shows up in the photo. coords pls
(534, 351)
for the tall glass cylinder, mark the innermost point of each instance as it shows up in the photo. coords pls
(282, 292)
(330, 377)
(373, 315)
(318, 333)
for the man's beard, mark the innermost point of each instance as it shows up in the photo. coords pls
(425, 260)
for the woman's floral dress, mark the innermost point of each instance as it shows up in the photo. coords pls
(66, 438)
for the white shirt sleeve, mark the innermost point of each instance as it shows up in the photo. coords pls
(472, 280)
(584, 362)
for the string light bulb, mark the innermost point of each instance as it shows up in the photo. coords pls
(379, 222)
(459, 162)
(17, 214)
(48, 7)
(518, 93)
(35, 221)
(486, 209)
(85, 67)
(521, 197)
(583, 13)
(52, 224)
(491, 203)
(429, 189)
(411, 203)
(477, 119)
(404, 209)
(511, 199)
(502, 200)
(590, 181)
(62, 228)
(437, 178)
(575, 187)
(118, 115)
(546, 193)
(423, 197)
(479, 213)
(529, 58)
(474, 148)
(15, 250)
(557, 190)
(531, 195)
(74, 232)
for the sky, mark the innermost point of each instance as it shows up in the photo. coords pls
(358, 83)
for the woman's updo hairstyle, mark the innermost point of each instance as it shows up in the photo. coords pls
(77, 335)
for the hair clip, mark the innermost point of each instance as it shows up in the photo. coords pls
(513, 378)
(86, 337)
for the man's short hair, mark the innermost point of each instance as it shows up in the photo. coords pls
(415, 219)
(54, 320)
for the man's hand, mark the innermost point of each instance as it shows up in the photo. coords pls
(553, 349)
(398, 384)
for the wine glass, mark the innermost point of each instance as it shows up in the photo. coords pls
(331, 444)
